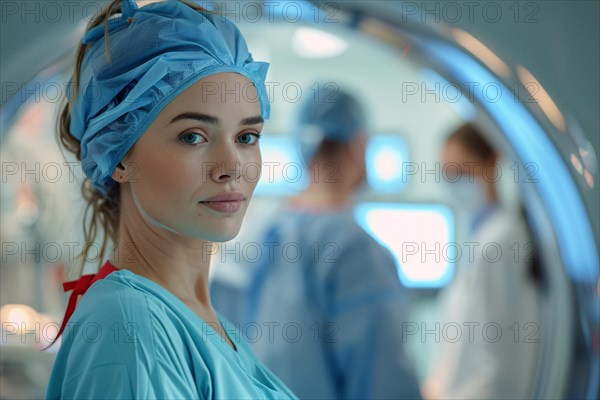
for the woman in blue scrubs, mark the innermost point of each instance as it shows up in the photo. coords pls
(166, 110)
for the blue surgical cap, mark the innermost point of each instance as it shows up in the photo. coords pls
(327, 113)
(157, 51)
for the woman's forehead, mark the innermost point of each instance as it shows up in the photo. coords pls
(229, 94)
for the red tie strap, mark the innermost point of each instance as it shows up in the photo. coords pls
(79, 287)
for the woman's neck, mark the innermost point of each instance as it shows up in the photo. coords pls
(179, 264)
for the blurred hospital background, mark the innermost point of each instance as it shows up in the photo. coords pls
(525, 73)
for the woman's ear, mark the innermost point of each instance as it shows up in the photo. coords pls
(119, 173)
(123, 172)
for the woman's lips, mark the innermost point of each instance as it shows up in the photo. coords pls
(226, 202)
(223, 206)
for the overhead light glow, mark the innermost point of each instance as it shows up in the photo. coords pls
(315, 43)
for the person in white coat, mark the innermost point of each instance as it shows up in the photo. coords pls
(488, 317)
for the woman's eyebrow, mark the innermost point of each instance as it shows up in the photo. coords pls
(252, 120)
(209, 119)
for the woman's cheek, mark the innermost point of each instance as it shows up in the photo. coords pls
(174, 171)
(251, 166)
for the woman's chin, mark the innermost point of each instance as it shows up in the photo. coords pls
(220, 235)
(211, 230)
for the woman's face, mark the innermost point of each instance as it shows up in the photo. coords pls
(202, 144)
(457, 160)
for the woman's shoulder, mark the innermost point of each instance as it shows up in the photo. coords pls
(112, 298)
(120, 343)
(118, 313)
(111, 314)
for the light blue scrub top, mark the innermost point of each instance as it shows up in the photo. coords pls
(131, 338)
(326, 315)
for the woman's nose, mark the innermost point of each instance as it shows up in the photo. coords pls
(226, 171)
(225, 163)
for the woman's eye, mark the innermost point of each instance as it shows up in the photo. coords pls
(249, 138)
(191, 138)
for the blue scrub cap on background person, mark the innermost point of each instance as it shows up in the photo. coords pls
(156, 52)
(327, 113)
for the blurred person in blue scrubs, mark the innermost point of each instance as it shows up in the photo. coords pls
(494, 299)
(324, 306)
